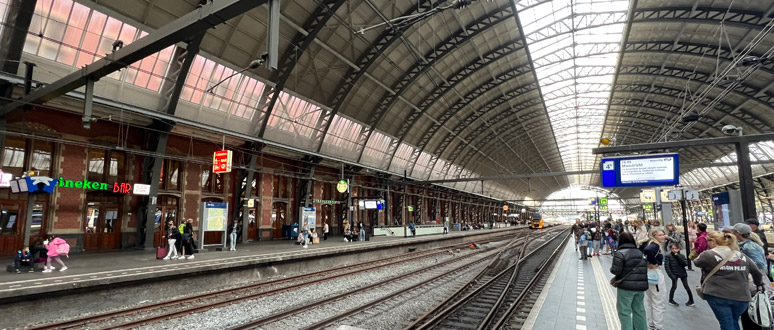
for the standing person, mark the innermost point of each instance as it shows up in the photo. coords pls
(673, 236)
(55, 248)
(756, 229)
(188, 248)
(597, 240)
(630, 272)
(574, 231)
(674, 264)
(413, 229)
(692, 233)
(640, 233)
(173, 234)
(700, 245)
(725, 271)
(362, 232)
(656, 294)
(325, 231)
(306, 234)
(445, 227)
(233, 235)
(583, 242)
(752, 250)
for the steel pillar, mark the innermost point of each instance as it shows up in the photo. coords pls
(746, 186)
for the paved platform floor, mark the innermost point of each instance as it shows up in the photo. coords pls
(95, 268)
(578, 296)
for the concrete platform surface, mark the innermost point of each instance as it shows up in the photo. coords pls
(578, 296)
(106, 268)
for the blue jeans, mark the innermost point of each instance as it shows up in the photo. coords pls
(362, 235)
(727, 311)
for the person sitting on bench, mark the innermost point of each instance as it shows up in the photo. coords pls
(24, 257)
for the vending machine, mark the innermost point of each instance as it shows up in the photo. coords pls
(727, 209)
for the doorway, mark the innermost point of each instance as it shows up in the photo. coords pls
(11, 226)
(166, 210)
(102, 228)
(252, 226)
(278, 215)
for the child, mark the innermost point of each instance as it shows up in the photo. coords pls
(583, 243)
(675, 263)
(56, 248)
(24, 257)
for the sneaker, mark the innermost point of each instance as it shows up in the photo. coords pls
(305, 246)
(165, 258)
(63, 269)
(47, 270)
(174, 257)
(689, 304)
(32, 270)
(673, 303)
(18, 271)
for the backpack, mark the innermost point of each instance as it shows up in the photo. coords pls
(181, 228)
(63, 249)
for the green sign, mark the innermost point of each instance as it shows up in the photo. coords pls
(648, 207)
(410, 208)
(603, 201)
(342, 186)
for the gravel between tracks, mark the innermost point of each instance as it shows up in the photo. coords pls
(242, 312)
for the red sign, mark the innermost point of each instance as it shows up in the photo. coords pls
(221, 161)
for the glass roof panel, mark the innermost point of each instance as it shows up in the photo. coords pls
(574, 45)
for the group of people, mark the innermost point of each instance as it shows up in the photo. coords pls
(49, 250)
(644, 257)
(354, 234)
(180, 238)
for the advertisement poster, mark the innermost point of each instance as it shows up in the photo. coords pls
(308, 215)
(215, 216)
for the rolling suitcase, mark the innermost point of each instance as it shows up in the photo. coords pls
(161, 252)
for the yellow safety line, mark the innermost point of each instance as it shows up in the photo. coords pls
(606, 296)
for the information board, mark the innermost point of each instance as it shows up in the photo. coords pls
(649, 170)
(215, 216)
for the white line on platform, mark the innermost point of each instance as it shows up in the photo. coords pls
(606, 296)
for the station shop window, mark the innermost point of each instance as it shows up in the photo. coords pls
(212, 182)
(106, 166)
(21, 154)
(169, 178)
(281, 187)
(37, 219)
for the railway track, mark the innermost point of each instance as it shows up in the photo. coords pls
(157, 312)
(490, 299)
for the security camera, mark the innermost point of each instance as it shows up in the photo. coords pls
(731, 130)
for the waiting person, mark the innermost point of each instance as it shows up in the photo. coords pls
(583, 243)
(673, 236)
(726, 289)
(188, 248)
(55, 248)
(597, 240)
(752, 250)
(413, 229)
(640, 233)
(362, 232)
(306, 235)
(630, 272)
(24, 257)
(233, 236)
(574, 230)
(692, 232)
(445, 227)
(656, 294)
(173, 234)
(325, 231)
(756, 229)
(674, 264)
(700, 245)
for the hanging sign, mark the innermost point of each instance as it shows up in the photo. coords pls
(505, 207)
(650, 170)
(221, 161)
(410, 208)
(647, 196)
(342, 186)
(40, 184)
(141, 189)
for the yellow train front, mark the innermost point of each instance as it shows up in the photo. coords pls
(536, 222)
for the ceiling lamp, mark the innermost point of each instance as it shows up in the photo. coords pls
(691, 116)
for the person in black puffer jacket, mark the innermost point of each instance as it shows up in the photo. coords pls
(674, 264)
(631, 275)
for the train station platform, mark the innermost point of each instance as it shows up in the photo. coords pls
(258, 260)
(578, 296)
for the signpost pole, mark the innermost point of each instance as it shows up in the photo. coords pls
(685, 230)
(655, 211)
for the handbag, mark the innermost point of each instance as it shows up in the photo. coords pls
(700, 287)
(760, 309)
(652, 277)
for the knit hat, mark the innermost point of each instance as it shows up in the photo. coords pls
(743, 228)
(752, 222)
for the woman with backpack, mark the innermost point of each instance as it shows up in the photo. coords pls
(630, 272)
(726, 289)
(56, 248)
(188, 231)
(656, 294)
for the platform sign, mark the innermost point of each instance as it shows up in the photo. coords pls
(647, 196)
(648, 207)
(308, 216)
(221, 161)
(5, 179)
(603, 203)
(649, 170)
(342, 186)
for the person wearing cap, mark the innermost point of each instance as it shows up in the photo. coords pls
(756, 229)
(742, 231)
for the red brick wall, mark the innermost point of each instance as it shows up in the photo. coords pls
(69, 203)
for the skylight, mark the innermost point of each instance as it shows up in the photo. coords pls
(574, 46)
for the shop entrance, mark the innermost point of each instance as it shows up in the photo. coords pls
(166, 210)
(278, 214)
(252, 226)
(102, 227)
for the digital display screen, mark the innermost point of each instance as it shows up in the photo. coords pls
(650, 170)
